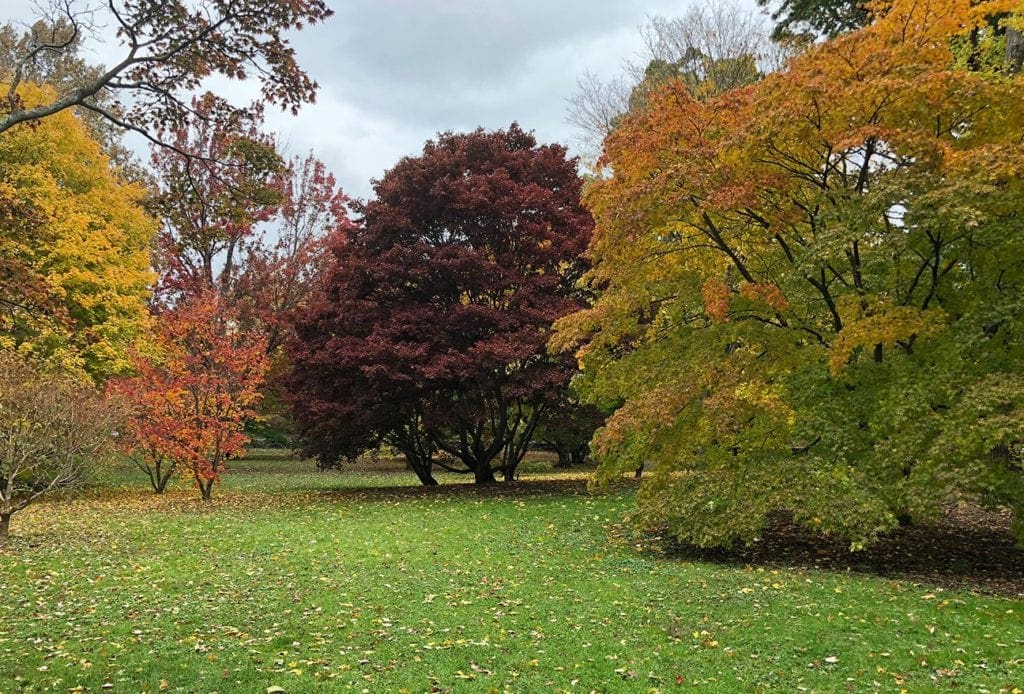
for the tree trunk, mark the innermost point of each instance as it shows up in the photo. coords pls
(424, 474)
(564, 457)
(639, 471)
(162, 478)
(483, 474)
(420, 463)
(1014, 51)
(5, 528)
(161, 484)
(206, 489)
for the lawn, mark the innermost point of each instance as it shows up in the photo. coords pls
(307, 581)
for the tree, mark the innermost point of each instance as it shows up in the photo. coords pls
(283, 265)
(216, 185)
(169, 50)
(711, 48)
(568, 426)
(75, 275)
(53, 431)
(803, 20)
(816, 17)
(64, 71)
(429, 330)
(241, 222)
(812, 289)
(189, 401)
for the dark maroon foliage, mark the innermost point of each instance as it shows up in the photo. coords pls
(430, 329)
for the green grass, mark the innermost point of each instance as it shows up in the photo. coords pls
(330, 582)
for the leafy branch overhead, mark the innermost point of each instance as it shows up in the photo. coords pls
(169, 48)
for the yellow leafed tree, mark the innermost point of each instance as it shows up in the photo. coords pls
(76, 246)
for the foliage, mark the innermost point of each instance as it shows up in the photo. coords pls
(713, 47)
(567, 426)
(284, 583)
(429, 331)
(169, 49)
(816, 17)
(53, 431)
(75, 275)
(216, 185)
(811, 289)
(189, 402)
(239, 221)
(64, 71)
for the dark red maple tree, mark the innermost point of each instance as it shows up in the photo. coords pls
(429, 330)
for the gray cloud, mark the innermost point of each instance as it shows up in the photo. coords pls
(393, 73)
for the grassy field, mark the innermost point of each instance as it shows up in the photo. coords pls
(344, 581)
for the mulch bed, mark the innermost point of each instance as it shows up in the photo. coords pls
(969, 549)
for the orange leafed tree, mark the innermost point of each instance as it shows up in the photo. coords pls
(189, 402)
(811, 288)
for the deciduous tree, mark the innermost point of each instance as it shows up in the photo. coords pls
(811, 289)
(76, 268)
(817, 17)
(54, 430)
(188, 403)
(169, 49)
(712, 48)
(429, 332)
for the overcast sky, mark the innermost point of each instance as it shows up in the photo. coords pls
(393, 73)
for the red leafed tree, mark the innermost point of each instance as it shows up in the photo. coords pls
(239, 221)
(279, 274)
(430, 328)
(216, 185)
(190, 402)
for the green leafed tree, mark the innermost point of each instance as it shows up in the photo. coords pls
(817, 17)
(812, 290)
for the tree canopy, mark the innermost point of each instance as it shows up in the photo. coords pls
(169, 49)
(429, 331)
(75, 274)
(811, 289)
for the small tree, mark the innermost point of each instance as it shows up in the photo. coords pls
(154, 437)
(190, 403)
(53, 431)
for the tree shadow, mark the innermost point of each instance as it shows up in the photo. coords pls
(968, 549)
(499, 490)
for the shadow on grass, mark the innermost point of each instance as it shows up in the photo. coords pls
(576, 486)
(969, 549)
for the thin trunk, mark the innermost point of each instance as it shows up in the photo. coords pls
(1014, 51)
(162, 480)
(5, 528)
(205, 488)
